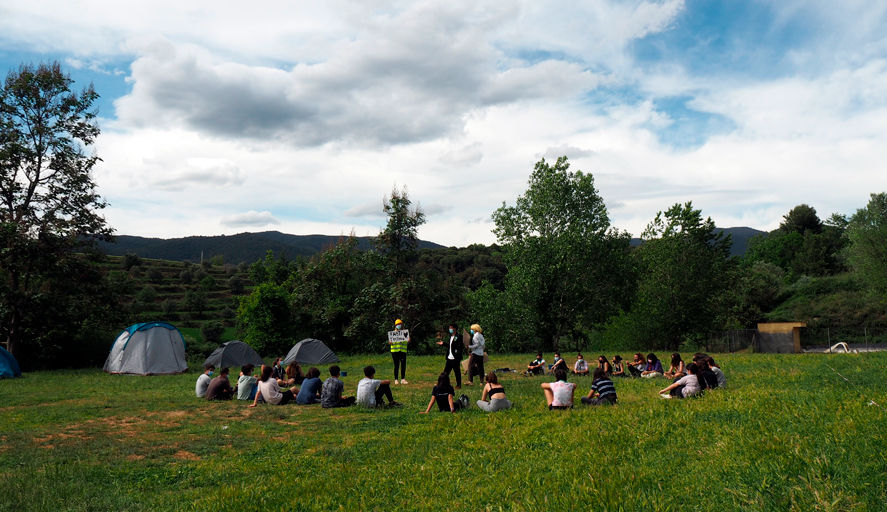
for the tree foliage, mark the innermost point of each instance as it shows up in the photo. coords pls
(567, 269)
(867, 234)
(49, 209)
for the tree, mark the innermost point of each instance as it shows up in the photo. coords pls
(867, 233)
(399, 241)
(568, 270)
(683, 274)
(48, 203)
(800, 219)
(212, 332)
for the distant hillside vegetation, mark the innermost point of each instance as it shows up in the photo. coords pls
(740, 237)
(248, 247)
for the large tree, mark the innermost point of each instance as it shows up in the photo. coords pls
(867, 233)
(568, 270)
(48, 202)
(683, 274)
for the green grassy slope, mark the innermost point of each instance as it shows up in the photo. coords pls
(788, 434)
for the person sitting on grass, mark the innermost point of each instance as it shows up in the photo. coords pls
(722, 379)
(277, 371)
(685, 386)
(294, 375)
(618, 367)
(581, 366)
(536, 366)
(270, 392)
(603, 387)
(370, 390)
(203, 381)
(220, 388)
(246, 383)
(309, 393)
(331, 392)
(637, 366)
(559, 362)
(604, 365)
(443, 394)
(493, 398)
(653, 368)
(677, 369)
(559, 394)
(707, 378)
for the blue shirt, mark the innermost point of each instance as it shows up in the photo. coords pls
(308, 391)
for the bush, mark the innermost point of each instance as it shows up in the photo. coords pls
(135, 271)
(228, 313)
(208, 283)
(212, 332)
(187, 276)
(147, 295)
(154, 275)
(131, 260)
(230, 269)
(199, 275)
(198, 349)
(206, 264)
(236, 285)
(169, 307)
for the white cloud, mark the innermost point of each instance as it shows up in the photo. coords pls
(571, 152)
(466, 156)
(251, 219)
(214, 172)
(366, 210)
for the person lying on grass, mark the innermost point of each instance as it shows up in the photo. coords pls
(495, 392)
(677, 369)
(443, 394)
(220, 388)
(603, 387)
(203, 381)
(653, 368)
(246, 383)
(370, 391)
(559, 394)
(309, 393)
(536, 366)
(270, 392)
(685, 386)
(331, 392)
(618, 367)
(581, 366)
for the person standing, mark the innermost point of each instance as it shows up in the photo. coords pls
(399, 354)
(476, 359)
(454, 355)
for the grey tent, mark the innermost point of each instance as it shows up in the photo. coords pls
(310, 351)
(154, 348)
(233, 355)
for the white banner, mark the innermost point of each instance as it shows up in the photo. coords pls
(397, 336)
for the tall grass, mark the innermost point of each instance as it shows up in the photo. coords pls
(789, 433)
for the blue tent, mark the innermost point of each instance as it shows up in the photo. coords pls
(154, 348)
(9, 367)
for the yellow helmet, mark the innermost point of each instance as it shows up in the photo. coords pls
(398, 321)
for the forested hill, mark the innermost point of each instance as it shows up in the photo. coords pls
(248, 247)
(740, 236)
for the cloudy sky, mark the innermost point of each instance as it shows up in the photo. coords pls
(225, 117)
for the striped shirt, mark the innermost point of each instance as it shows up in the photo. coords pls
(604, 388)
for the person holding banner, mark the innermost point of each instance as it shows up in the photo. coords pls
(398, 340)
(476, 359)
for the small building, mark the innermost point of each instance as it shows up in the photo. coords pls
(779, 338)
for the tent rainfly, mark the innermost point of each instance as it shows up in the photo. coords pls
(310, 351)
(154, 348)
(9, 367)
(233, 354)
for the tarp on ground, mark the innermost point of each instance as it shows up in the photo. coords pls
(153, 348)
(310, 351)
(9, 367)
(233, 354)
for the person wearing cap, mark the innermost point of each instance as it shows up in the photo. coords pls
(399, 354)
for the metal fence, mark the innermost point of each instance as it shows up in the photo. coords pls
(731, 341)
(814, 336)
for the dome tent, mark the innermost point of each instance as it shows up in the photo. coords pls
(310, 351)
(233, 354)
(9, 367)
(153, 348)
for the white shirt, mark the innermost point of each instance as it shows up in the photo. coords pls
(366, 391)
(691, 385)
(202, 385)
(450, 349)
(270, 391)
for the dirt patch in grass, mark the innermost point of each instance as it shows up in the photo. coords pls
(185, 455)
(134, 456)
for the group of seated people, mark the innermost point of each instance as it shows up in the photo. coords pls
(277, 386)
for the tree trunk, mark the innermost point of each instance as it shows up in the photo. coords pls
(13, 335)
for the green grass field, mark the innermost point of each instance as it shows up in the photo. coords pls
(788, 434)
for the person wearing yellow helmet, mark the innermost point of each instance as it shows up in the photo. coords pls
(399, 353)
